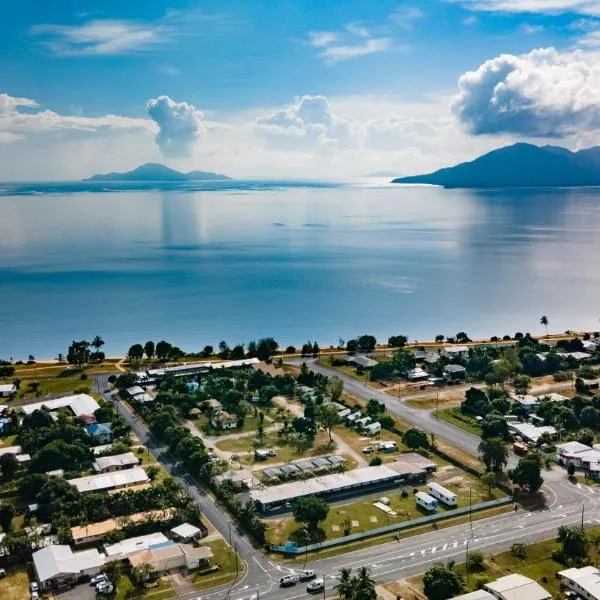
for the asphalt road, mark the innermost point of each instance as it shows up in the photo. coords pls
(395, 559)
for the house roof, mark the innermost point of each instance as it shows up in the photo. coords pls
(571, 448)
(8, 388)
(118, 460)
(103, 481)
(224, 417)
(142, 542)
(54, 560)
(517, 587)
(455, 349)
(10, 450)
(454, 369)
(363, 361)
(529, 431)
(186, 530)
(99, 429)
(476, 595)
(136, 390)
(80, 404)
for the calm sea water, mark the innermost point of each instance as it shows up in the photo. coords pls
(296, 262)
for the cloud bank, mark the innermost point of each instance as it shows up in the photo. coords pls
(550, 7)
(545, 93)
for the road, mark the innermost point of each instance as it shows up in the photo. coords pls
(396, 559)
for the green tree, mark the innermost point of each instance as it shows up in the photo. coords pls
(141, 572)
(265, 348)
(519, 550)
(475, 562)
(163, 350)
(327, 417)
(545, 322)
(571, 470)
(78, 353)
(335, 387)
(309, 510)
(9, 465)
(521, 384)
(136, 352)
(364, 586)
(7, 512)
(528, 473)
(345, 585)
(149, 349)
(112, 570)
(494, 425)
(415, 438)
(490, 479)
(574, 544)
(367, 343)
(397, 341)
(97, 343)
(494, 453)
(441, 582)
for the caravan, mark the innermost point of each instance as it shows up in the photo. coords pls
(441, 493)
(426, 501)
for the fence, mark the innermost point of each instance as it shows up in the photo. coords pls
(292, 549)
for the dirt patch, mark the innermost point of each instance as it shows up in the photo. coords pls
(406, 588)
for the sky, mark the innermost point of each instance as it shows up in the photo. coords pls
(291, 88)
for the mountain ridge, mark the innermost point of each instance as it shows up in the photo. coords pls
(157, 172)
(519, 165)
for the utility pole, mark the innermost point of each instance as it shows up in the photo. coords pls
(467, 564)
(237, 571)
(470, 512)
(582, 513)
(229, 523)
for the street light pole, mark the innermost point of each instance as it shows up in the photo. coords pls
(467, 564)
(236, 561)
(470, 512)
(582, 513)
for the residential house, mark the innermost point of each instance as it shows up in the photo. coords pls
(455, 351)
(172, 556)
(78, 404)
(101, 432)
(117, 462)
(214, 405)
(186, 532)
(417, 374)
(105, 482)
(530, 433)
(57, 565)
(224, 420)
(360, 360)
(454, 372)
(517, 587)
(589, 346)
(585, 581)
(579, 455)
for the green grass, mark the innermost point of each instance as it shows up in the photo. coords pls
(346, 369)
(56, 385)
(363, 512)
(455, 417)
(126, 590)
(224, 556)
(250, 424)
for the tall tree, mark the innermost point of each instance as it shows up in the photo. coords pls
(364, 585)
(310, 510)
(441, 582)
(149, 349)
(345, 585)
(163, 349)
(7, 512)
(136, 352)
(9, 465)
(574, 544)
(78, 353)
(97, 343)
(415, 438)
(493, 453)
(335, 387)
(545, 322)
(327, 417)
(528, 473)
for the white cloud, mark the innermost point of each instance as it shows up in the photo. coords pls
(179, 125)
(528, 29)
(354, 42)
(9, 104)
(583, 7)
(322, 38)
(470, 20)
(544, 93)
(335, 54)
(405, 16)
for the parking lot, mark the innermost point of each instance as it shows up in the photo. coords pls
(83, 591)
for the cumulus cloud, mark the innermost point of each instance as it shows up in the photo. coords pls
(552, 7)
(405, 16)
(179, 125)
(9, 104)
(545, 93)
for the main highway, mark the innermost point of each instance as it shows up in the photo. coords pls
(567, 504)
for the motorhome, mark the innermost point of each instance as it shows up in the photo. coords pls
(441, 493)
(426, 501)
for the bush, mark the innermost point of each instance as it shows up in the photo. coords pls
(475, 562)
(562, 376)
(375, 461)
(83, 376)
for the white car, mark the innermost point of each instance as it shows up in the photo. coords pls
(307, 575)
(317, 585)
(98, 579)
(104, 588)
(34, 586)
(288, 580)
(35, 596)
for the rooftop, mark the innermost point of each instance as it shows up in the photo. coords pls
(103, 481)
(99, 428)
(529, 431)
(136, 390)
(142, 542)
(571, 448)
(476, 595)
(517, 587)
(80, 404)
(118, 460)
(454, 369)
(54, 560)
(186, 530)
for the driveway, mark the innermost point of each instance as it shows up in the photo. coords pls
(83, 591)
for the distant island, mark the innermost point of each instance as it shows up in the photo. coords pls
(520, 165)
(158, 172)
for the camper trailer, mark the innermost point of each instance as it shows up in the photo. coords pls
(441, 493)
(426, 501)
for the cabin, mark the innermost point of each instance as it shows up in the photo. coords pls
(441, 493)
(426, 501)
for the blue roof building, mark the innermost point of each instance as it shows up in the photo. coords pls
(101, 431)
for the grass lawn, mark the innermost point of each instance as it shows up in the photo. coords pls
(55, 385)
(455, 417)
(224, 556)
(15, 586)
(250, 424)
(53, 370)
(126, 590)
(346, 369)
(285, 451)
(362, 516)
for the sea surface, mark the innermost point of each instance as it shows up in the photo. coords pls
(196, 264)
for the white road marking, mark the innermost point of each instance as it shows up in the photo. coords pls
(445, 546)
(433, 550)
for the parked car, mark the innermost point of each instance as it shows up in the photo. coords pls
(307, 575)
(35, 596)
(288, 580)
(98, 579)
(317, 585)
(368, 450)
(2, 573)
(34, 586)
(104, 588)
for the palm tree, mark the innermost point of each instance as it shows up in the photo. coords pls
(97, 343)
(141, 572)
(61, 357)
(544, 321)
(345, 587)
(364, 586)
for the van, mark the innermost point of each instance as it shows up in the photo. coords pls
(315, 586)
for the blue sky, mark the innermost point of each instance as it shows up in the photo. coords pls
(290, 87)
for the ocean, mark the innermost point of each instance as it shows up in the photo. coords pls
(197, 263)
